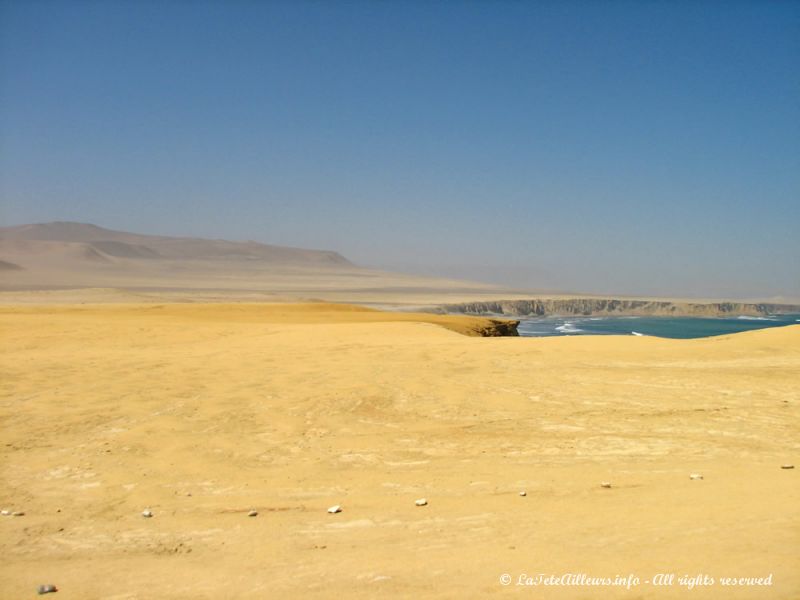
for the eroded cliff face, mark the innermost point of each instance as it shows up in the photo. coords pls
(543, 307)
(498, 328)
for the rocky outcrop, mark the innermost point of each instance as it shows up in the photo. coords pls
(543, 307)
(498, 328)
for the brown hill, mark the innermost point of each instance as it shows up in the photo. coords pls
(70, 256)
(121, 244)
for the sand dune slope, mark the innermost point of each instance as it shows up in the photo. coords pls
(203, 413)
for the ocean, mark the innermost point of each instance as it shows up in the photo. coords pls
(665, 327)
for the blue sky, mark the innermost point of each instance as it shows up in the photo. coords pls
(613, 147)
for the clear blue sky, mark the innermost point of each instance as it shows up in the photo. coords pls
(626, 147)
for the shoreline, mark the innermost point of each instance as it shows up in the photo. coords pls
(665, 327)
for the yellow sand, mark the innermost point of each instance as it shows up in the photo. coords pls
(204, 412)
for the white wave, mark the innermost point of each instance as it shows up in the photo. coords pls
(748, 318)
(637, 333)
(568, 328)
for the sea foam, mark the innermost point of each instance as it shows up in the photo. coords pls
(749, 318)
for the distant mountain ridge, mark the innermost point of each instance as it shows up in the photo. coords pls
(70, 240)
(80, 256)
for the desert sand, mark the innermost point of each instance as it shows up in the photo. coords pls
(204, 412)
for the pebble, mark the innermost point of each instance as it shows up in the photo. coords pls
(421, 502)
(335, 509)
(252, 513)
(523, 493)
(18, 513)
(605, 484)
(5, 513)
(147, 513)
(695, 476)
(46, 589)
(787, 466)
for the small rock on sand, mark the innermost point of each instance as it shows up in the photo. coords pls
(252, 513)
(787, 466)
(18, 513)
(335, 509)
(523, 493)
(147, 513)
(421, 502)
(605, 484)
(46, 589)
(695, 476)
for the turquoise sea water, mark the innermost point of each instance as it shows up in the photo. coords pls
(667, 327)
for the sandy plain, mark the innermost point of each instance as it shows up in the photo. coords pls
(203, 412)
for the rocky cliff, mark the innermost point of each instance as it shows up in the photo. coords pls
(498, 328)
(543, 307)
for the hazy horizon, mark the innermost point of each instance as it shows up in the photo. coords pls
(613, 148)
